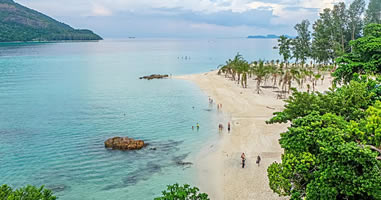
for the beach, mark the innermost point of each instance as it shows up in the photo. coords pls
(220, 174)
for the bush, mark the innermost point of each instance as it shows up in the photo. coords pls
(26, 193)
(177, 192)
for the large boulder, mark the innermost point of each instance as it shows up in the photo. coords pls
(124, 143)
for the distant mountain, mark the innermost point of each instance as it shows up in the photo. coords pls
(270, 36)
(19, 23)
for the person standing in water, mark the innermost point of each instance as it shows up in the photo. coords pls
(243, 157)
(198, 126)
(228, 127)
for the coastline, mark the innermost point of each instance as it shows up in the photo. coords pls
(218, 164)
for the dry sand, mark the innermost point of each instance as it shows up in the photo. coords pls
(219, 164)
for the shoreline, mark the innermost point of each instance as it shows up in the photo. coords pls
(218, 164)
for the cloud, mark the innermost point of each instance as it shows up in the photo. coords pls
(99, 10)
(183, 17)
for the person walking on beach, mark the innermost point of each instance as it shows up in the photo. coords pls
(228, 127)
(243, 157)
(258, 160)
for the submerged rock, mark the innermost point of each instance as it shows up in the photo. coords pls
(124, 143)
(58, 188)
(181, 163)
(155, 76)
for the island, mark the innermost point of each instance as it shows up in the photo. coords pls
(270, 36)
(19, 23)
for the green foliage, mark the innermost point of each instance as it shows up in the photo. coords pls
(322, 49)
(28, 193)
(333, 31)
(349, 101)
(322, 161)
(284, 46)
(365, 57)
(186, 192)
(373, 13)
(355, 22)
(368, 130)
(18, 23)
(301, 44)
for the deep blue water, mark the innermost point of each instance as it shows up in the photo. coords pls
(60, 101)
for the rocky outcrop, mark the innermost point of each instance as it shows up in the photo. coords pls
(124, 143)
(154, 76)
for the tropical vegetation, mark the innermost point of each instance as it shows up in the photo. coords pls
(28, 193)
(275, 73)
(185, 192)
(365, 57)
(332, 150)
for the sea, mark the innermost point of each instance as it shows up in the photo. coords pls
(59, 102)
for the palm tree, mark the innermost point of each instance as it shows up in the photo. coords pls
(315, 79)
(273, 72)
(260, 73)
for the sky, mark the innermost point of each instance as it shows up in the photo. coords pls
(182, 18)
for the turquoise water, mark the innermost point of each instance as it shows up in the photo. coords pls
(60, 101)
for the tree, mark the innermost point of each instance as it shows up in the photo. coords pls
(355, 12)
(322, 49)
(322, 160)
(365, 57)
(284, 46)
(349, 101)
(373, 13)
(260, 72)
(28, 193)
(186, 192)
(339, 19)
(301, 44)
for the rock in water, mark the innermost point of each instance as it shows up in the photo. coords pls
(124, 143)
(154, 76)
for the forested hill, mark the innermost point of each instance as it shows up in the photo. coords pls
(19, 23)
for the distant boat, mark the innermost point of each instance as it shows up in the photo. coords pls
(131, 37)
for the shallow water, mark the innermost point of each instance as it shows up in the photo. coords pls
(60, 101)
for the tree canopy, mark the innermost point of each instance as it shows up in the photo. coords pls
(332, 32)
(330, 152)
(350, 101)
(365, 57)
(301, 48)
(185, 192)
(26, 193)
(373, 13)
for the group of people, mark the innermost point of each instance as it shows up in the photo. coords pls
(210, 100)
(184, 57)
(219, 106)
(197, 126)
(221, 127)
(243, 158)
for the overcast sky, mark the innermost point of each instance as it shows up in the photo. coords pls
(182, 18)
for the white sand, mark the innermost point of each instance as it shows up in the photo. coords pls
(219, 164)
